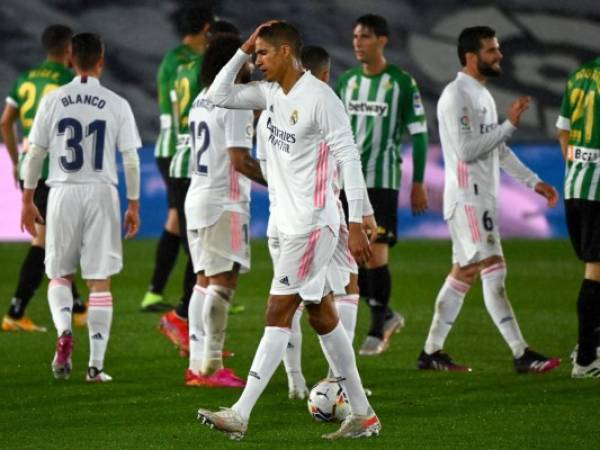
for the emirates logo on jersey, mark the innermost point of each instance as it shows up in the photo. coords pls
(294, 117)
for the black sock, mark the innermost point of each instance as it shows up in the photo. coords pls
(364, 283)
(381, 283)
(189, 280)
(166, 257)
(78, 305)
(588, 311)
(30, 278)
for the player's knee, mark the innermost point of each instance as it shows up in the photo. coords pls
(98, 285)
(280, 312)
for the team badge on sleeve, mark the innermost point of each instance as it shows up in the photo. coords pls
(465, 121)
(418, 104)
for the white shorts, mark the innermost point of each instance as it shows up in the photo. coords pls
(217, 248)
(83, 228)
(474, 232)
(300, 264)
(342, 264)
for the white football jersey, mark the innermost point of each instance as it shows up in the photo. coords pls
(473, 145)
(82, 124)
(261, 154)
(306, 131)
(216, 186)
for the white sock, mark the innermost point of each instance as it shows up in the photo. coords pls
(268, 356)
(60, 300)
(292, 358)
(196, 328)
(347, 307)
(447, 306)
(497, 304)
(340, 356)
(100, 312)
(214, 317)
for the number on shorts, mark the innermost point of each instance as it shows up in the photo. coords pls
(74, 161)
(201, 136)
(488, 223)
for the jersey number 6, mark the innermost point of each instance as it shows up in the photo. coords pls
(488, 223)
(74, 161)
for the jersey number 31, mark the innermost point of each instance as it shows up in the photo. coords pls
(74, 160)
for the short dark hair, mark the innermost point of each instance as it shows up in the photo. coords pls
(220, 51)
(375, 23)
(220, 27)
(314, 58)
(282, 33)
(469, 40)
(191, 18)
(87, 50)
(55, 39)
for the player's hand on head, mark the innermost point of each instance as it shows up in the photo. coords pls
(29, 216)
(370, 227)
(547, 190)
(418, 199)
(358, 243)
(248, 46)
(131, 222)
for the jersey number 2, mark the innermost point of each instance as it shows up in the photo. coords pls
(200, 137)
(74, 161)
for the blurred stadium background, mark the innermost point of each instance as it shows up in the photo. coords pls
(543, 40)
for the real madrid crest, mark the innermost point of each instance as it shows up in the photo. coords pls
(294, 117)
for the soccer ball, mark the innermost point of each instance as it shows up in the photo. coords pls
(327, 401)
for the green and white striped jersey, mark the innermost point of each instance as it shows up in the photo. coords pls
(381, 108)
(186, 87)
(580, 115)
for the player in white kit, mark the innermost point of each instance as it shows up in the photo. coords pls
(217, 209)
(81, 125)
(343, 271)
(309, 133)
(474, 147)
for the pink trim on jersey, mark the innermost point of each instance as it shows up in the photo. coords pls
(309, 254)
(100, 300)
(321, 178)
(492, 269)
(336, 185)
(347, 299)
(457, 285)
(473, 225)
(236, 232)
(59, 282)
(200, 289)
(234, 183)
(463, 174)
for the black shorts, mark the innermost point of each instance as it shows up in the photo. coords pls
(40, 196)
(385, 207)
(163, 167)
(180, 187)
(583, 223)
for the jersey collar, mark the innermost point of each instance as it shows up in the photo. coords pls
(93, 81)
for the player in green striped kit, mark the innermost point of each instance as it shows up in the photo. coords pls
(194, 24)
(579, 136)
(21, 104)
(383, 102)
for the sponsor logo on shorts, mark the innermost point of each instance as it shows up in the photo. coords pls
(284, 280)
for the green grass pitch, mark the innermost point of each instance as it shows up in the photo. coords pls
(147, 406)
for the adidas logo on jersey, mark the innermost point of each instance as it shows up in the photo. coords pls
(364, 108)
(97, 337)
(284, 280)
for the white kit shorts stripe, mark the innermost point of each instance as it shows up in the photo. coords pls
(474, 232)
(300, 263)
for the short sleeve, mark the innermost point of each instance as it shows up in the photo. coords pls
(238, 128)
(128, 137)
(13, 95)
(40, 130)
